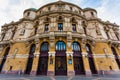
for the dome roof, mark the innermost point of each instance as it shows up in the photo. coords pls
(87, 9)
(33, 9)
(59, 2)
(30, 9)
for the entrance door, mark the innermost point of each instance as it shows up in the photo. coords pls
(4, 58)
(78, 61)
(60, 65)
(78, 66)
(91, 60)
(116, 56)
(60, 59)
(43, 65)
(92, 66)
(30, 59)
(43, 59)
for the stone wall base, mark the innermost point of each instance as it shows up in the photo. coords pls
(33, 73)
(50, 73)
(70, 73)
(88, 73)
(12, 72)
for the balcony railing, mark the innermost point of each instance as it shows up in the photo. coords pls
(60, 33)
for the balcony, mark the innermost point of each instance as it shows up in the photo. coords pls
(60, 33)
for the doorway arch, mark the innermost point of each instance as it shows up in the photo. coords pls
(60, 59)
(115, 56)
(90, 59)
(77, 57)
(4, 58)
(43, 59)
(30, 59)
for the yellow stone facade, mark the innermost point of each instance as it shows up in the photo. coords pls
(72, 40)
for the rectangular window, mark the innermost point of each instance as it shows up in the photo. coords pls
(46, 27)
(60, 26)
(74, 27)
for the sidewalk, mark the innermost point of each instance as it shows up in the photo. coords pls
(27, 77)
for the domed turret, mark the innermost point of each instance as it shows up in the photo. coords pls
(30, 13)
(90, 13)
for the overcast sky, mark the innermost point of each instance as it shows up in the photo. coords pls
(12, 10)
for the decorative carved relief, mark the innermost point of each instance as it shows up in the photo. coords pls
(98, 30)
(93, 43)
(83, 43)
(27, 43)
(44, 40)
(119, 46)
(1, 48)
(37, 40)
(52, 44)
(83, 40)
(69, 44)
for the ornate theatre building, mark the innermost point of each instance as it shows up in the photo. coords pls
(60, 38)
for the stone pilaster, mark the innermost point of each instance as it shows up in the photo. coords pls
(36, 57)
(86, 64)
(70, 64)
(51, 64)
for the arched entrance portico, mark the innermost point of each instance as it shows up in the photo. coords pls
(90, 59)
(30, 59)
(116, 56)
(43, 59)
(78, 61)
(4, 58)
(60, 59)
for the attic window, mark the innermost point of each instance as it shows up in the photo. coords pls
(47, 19)
(73, 19)
(49, 8)
(79, 12)
(71, 8)
(60, 17)
(59, 5)
(92, 14)
(28, 13)
(40, 12)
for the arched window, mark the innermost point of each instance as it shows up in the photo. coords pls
(4, 58)
(92, 14)
(32, 49)
(75, 46)
(44, 46)
(116, 56)
(88, 48)
(114, 51)
(30, 59)
(60, 45)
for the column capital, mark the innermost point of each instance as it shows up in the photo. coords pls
(51, 53)
(69, 53)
